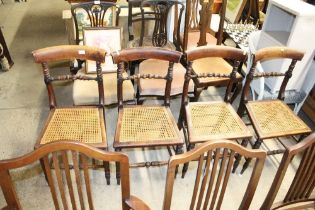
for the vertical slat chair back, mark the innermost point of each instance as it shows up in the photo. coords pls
(138, 54)
(67, 193)
(237, 56)
(95, 15)
(303, 183)
(215, 161)
(70, 52)
(270, 53)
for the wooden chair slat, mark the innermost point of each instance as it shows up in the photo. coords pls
(68, 178)
(59, 180)
(87, 180)
(197, 183)
(78, 178)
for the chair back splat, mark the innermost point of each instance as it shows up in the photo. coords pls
(92, 14)
(302, 186)
(215, 161)
(64, 156)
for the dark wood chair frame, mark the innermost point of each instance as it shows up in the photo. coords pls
(264, 54)
(208, 156)
(68, 52)
(302, 186)
(59, 152)
(238, 56)
(96, 14)
(159, 13)
(136, 54)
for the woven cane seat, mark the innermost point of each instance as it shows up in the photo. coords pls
(212, 65)
(214, 120)
(273, 118)
(84, 124)
(143, 125)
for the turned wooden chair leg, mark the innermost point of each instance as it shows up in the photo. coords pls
(43, 168)
(238, 157)
(185, 167)
(179, 150)
(117, 169)
(248, 160)
(197, 92)
(107, 172)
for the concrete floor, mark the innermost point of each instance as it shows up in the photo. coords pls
(23, 109)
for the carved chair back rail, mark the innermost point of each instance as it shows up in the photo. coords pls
(61, 154)
(215, 160)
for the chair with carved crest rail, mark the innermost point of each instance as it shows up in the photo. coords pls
(93, 14)
(302, 186)
(65, 156)
(215, 161)
(272, 118)
(158, 12)
(84, 124)
(197, 33)
(148, 126)
(204, 121)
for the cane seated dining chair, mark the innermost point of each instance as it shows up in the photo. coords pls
(301, 188)
(69, 192)
(212, 120)
(215, 160)
(160, 14)
(146, 126)
(271, 118)
(84, 124)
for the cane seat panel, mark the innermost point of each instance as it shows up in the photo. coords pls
(84, 124)
(143, 124)
(274, 118)
(214, 120)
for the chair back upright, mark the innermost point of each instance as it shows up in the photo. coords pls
(237, 56)
(302, 186)
(197, 19)
(64, 155)
(215, 161)
(70, 52)
(267, 54)
(94, 14)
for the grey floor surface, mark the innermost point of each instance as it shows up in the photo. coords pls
(23, 109)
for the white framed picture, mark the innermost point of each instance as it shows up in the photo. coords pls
(107, 38)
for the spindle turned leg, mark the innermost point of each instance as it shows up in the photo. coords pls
(178, 150)
(238, 156)
(247, 162)
(107, 172)
(117, 168)
(43, 168)
(185, 167)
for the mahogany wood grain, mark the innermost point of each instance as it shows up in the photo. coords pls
(216, 188)
(57, 151)
(302, 186)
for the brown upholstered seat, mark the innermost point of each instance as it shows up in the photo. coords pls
(86, 93)
(193, 38)
(157, 88)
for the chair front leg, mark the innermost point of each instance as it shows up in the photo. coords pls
(238, 156)
(178, 150)
(118, 168)
(185, 167)
(248, 160)
(107, 172)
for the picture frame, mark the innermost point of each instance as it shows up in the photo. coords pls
(107, 38)
(234, 9)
